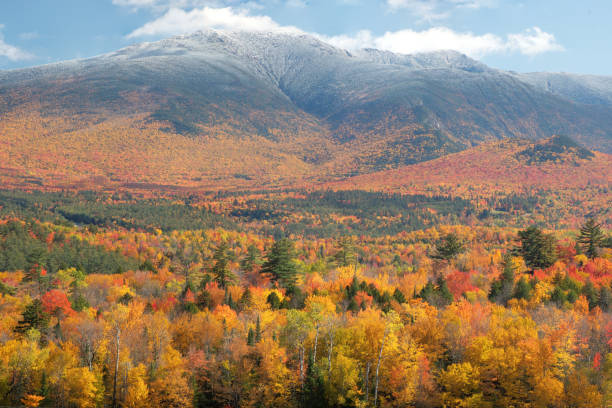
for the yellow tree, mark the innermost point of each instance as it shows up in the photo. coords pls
(170, 388)
(137, 393)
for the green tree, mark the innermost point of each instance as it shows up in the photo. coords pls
(251, 260)
(438, 295)
(537, 249)
(251, 337)
(313, 392)
(34, 317)
(221, 271)
(448, 248)
(522, 290)
(346, 254)
(591, 238)
(257, 330)
(501, 289)
(274, 301)
(280, 264)
(591, 294)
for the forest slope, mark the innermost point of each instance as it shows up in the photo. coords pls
(511, 164)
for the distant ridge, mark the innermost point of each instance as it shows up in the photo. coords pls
(559, 148)
(508, 165)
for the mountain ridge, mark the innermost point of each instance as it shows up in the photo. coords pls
(512, 164)
(297, 106)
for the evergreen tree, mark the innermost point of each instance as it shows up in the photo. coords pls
(229, 300)
(352, 305)
(274, 301)
(251, 337)
(558, 296)
(280, 264)
(251, 260)
(591, 294)
(501, 289)
(448, 248)
(399, 296)
(257, 330)
(353, 288)
(221, 272)
(437, 295)
(346, 254)
(34, 317)
(522, 289)
(591, 238)
(313, 392)
(537, 249)
(246, 299)
(604, 298)
(443, 290)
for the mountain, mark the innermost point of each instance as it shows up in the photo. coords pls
(508, 165)
(234, 109)
(584, 89)
(557, 149)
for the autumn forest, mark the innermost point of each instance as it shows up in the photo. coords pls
(321, 298)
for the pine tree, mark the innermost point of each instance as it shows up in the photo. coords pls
(537, 249)
(251, 260)
(346, 255)
(280, 264)
(399, 296)
(352, 305)
(448, 248)
(246, 299)
(591, 294)
(274, 301)
(221, 272)
(604, 298)
(443, 290)
(229, 300)
(257, 330)
(522, 289)
(34, 317)
(591, 238)
(313, 392)
(251, 337)
(501, 289)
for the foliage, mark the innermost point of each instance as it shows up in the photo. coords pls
(448, 248)
(591, 238)
(537, 249)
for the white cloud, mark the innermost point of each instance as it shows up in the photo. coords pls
(11, 52)
(533, 41)
(178, 21)
(437, 9)
(530, 42)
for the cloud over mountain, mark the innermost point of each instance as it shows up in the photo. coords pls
(176, 20)
(529, 42)
(179, 21)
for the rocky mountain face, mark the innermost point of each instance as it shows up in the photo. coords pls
(291, 103)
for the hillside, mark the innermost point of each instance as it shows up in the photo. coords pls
(509, 165)
(587, 89)
(186, 112)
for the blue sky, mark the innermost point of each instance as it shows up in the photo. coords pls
(525, 36)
